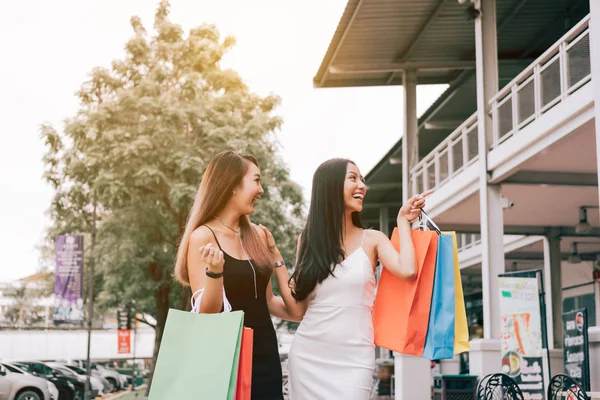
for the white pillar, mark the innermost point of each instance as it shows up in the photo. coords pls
(412, 374)
(595, 68)
(410, 140)
(384, 221)
(553, 287)
(412, 377)
(492, 231)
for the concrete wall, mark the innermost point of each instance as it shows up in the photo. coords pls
(64, 345)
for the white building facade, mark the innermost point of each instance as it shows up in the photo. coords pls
(511, 149)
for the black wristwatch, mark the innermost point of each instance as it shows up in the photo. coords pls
(214, 275)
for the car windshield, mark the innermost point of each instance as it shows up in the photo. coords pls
(12, 369)
(63, 370)
(26, 367)
(76, 369)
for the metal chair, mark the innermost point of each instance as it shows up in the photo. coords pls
(498, 387)
(564, 387)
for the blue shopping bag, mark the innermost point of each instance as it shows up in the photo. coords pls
(439, 343)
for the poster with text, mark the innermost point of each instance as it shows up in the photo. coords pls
(522, 348)
(576, 354)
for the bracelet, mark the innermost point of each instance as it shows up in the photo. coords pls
(214, 275)
(279, 264)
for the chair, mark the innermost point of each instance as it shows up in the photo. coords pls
(564, 387)
(498, 387)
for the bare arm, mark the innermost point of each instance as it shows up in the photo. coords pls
(294, 310)
(199, 258)
(402, 264)
(277, 306)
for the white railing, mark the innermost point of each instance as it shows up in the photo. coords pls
(465, 241)
(449, 158)
(552, 78)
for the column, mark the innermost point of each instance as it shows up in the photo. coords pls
(410, 140)
(412, 374)
(384, 221)
(492, 230)
(553, 287)
(595, 68)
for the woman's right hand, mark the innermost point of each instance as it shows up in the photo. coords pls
(212, 258)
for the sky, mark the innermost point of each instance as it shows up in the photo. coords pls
(48, 49)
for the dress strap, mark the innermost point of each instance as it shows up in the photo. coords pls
(363, 237)
(213, 232)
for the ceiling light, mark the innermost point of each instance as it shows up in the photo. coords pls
(395, 160)
(574, 257)
(583, 226)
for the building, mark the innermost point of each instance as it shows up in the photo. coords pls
(511, 147)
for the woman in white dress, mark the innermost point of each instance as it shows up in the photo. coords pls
(333, 354)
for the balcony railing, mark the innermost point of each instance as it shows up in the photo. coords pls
(465, 241)
(455, 153)
(551, 79)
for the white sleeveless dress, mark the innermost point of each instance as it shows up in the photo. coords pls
(332, 355)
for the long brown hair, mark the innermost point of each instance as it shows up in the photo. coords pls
(223, 174)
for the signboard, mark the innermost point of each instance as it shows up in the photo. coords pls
(522, 350)
(68, 287)
(124, 330)
(576, 354)
(124, 341)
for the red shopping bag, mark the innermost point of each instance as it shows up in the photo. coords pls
(244, 381)
(401, 309)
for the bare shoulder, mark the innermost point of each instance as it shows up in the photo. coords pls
(374, 236)
(201, 236)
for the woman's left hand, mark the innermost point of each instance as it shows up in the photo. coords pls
(270, 240)
(412, 208)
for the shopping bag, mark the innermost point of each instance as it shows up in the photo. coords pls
(461, 328)
(199, 356)
(439, 344)
(244, 381)
(401, 309)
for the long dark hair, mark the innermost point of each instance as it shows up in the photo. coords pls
(223, 174)
(322, 238)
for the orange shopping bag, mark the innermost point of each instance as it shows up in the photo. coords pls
(401, 309)
(244, 380)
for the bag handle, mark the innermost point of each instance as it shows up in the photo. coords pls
(196, 302)
(423, 219)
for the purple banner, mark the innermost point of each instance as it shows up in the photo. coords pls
(68, 287)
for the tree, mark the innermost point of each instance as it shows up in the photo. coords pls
(129, 163)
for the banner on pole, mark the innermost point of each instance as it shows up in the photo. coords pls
(124, 330)
(68, 283)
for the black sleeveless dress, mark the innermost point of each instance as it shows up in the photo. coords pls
(240, 289)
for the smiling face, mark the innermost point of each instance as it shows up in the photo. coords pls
(249, 191)
(354, 189)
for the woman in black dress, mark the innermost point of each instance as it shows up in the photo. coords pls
(228, 261)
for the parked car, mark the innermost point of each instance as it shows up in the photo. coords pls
(16, 370)
(14, 386)
(109, 374)
(69, 388)
(96, 385)
(106, 385)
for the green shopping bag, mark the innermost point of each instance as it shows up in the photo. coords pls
(199, 356)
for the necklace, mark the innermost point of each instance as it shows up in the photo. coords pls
(226, 226)
(244, 251)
